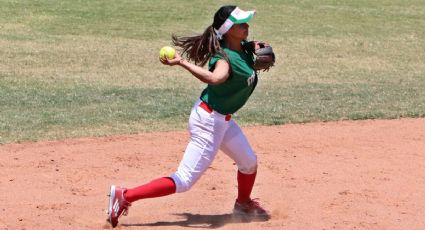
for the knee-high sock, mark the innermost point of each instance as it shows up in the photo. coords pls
(159, 187)
(245, 185)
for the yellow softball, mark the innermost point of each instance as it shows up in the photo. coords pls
(167, 52)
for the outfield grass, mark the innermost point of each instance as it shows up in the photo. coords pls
(90, 68)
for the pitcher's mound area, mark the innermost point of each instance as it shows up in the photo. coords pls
(336, 175)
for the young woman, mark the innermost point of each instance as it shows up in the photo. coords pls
(231, 80)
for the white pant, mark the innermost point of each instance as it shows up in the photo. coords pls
(210, 132)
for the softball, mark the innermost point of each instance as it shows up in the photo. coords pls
(167, 52)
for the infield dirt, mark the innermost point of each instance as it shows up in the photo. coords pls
(335, 175)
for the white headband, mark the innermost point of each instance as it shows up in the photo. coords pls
(237, 16)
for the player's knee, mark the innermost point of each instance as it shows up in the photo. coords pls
(249, 166)
(185, 186)
(183, 183)
(248, 170)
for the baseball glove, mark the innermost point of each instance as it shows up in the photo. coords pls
(264, 57)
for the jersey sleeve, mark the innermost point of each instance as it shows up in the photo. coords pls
(213, 61)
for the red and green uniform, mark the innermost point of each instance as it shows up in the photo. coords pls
(230, 96)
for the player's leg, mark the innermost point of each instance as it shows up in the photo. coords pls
(162, 186)
(236, 146)
(206, 134)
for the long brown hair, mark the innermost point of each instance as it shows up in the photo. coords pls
(200, 48)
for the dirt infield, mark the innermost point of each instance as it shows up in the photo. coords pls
(336, 175)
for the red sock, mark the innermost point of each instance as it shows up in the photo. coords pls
(156, 188)
(245, 184)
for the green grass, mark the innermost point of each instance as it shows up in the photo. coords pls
(90, 68)
(76, 110)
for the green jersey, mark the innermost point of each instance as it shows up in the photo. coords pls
(229, 96)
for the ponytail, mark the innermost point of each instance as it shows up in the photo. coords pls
(200, 48)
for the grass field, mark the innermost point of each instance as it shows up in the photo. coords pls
(90, 68)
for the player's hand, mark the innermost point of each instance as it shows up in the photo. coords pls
(175, 61)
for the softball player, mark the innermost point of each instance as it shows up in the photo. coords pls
(231, 80)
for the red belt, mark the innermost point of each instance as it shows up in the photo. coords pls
(210, 110)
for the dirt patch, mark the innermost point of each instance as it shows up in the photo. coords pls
(336, 175)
